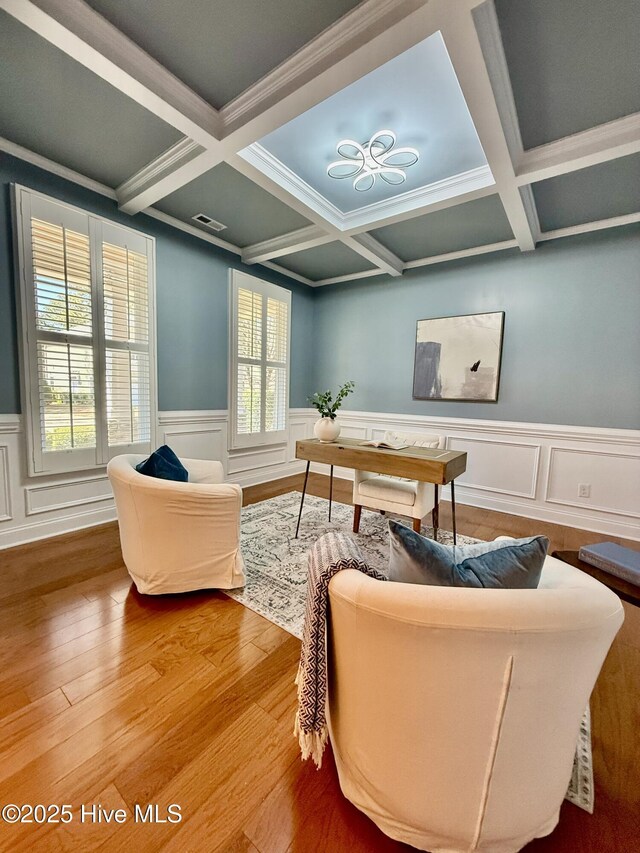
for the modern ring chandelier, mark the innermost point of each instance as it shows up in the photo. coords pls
(377, 158)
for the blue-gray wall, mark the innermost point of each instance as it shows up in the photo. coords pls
(571, 343)
(572, 317)
(192, 293)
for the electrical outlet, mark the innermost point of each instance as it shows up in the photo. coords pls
(584, 490)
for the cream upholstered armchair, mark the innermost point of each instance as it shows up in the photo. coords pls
(394, 494)
(454, 713)
(175, 536)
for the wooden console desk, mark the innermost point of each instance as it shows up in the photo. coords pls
(415, 463)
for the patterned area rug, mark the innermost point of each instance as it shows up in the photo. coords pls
(276, 567)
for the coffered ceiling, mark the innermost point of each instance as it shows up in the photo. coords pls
(525, 115)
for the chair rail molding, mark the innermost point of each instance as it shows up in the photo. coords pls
(522, 468)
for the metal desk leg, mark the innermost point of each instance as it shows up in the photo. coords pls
(330, 490)
(453, 513)
(435, 513)
(304, 490)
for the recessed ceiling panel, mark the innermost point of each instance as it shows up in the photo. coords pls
(220, 47)
(58, 108)
(416, 96)
(609, 189)
(326, 261)
(573, 63)
(476, 223)
(250, 213)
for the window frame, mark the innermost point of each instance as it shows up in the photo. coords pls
(238, 441)
(99, 230)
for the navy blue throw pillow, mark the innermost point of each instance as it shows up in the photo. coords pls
(506, 564)
(163, 464)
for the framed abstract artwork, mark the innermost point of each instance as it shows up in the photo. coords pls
(458, 358)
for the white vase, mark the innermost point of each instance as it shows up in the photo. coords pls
(326, 430)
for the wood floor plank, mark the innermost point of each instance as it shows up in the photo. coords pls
(114, 697)
(74, 719)
(182, 744)
(32, 717)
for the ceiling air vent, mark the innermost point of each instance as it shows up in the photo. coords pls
(203, 219)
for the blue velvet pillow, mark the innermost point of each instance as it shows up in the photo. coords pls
(164, 464)
(507, 564)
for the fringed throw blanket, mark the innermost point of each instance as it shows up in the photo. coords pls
(330, 554)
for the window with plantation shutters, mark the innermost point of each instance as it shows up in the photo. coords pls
(259, 361)
(86, 289)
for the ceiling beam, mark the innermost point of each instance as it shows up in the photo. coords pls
(484, 80)
(588, 227)
(84, 35)
(462, 253)
(294, 241)
(608, 141)
(359, 42)
(373, 251)
(338, 279)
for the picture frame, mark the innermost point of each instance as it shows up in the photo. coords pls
(458, 358)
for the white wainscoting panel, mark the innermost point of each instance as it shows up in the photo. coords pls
(531, 469)
(195, 435)
(613, 480)
(525, 469)
(64, 495)
(498, 465)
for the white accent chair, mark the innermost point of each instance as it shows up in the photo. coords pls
(394, 494)
(178, 537)
(454, 713)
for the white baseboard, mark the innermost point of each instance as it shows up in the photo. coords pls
(531, 470)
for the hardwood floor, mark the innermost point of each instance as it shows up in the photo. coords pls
(112, 698)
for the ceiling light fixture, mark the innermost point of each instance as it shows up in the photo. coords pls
(376, 158)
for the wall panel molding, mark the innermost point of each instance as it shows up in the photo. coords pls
(520, 468)
(5, 485)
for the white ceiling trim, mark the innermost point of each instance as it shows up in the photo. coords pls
(183, 152)
(289, 273)
(258, 157)
(84, 35)
(464, 35)
(354, 29)
(338, 279)
(295, 241)
(373, 251)
(48, 165)
(605, 142)
(75, 177)
(359, 42)
(462, 253)
(368, 215)
(588, 227)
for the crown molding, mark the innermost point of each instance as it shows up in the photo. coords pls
(48, 165)
(417, 200)
(608, 141)
(258, 156)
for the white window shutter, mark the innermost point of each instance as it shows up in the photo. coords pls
(86, 295)
(259, 361)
